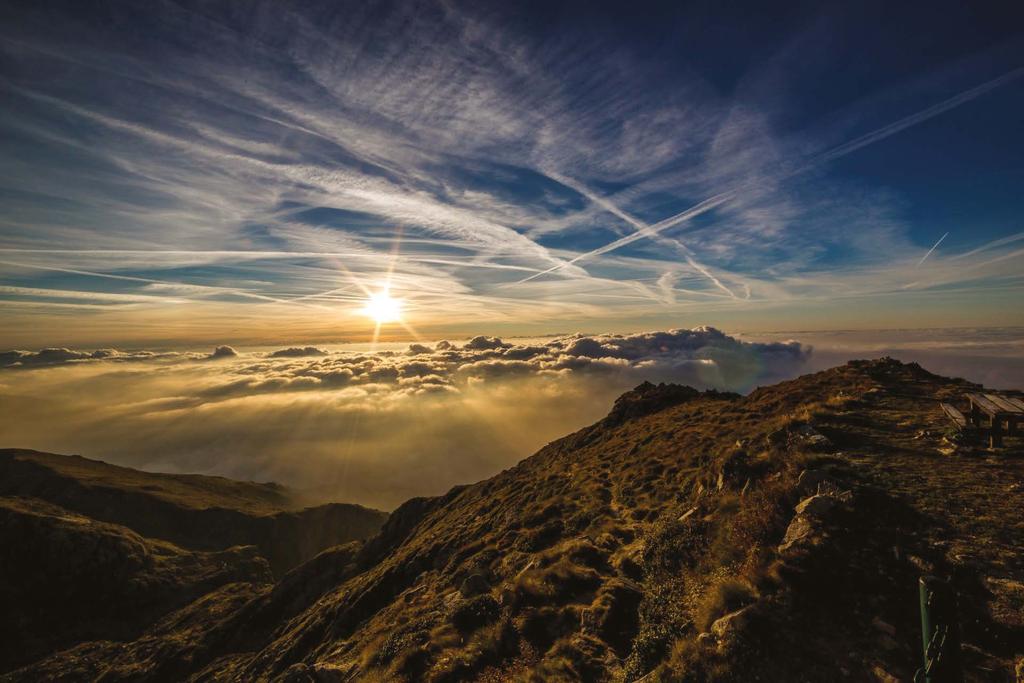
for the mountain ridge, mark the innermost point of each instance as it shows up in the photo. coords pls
(688, 536)
(194, 511)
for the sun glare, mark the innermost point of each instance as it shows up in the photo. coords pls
(383, 308)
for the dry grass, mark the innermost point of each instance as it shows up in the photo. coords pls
(554, 535)
(726, 596)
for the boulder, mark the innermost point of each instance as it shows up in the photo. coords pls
(818, 505)
(808, 526)
(812, 439)
(724, 628)
(799, 532)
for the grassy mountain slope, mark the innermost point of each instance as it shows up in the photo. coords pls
(193, 511)
(67, 578)
(687, 536)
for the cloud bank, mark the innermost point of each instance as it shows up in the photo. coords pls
(408, 420)
(375, 428)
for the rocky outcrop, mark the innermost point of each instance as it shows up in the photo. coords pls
(649, 398)
(810, 526)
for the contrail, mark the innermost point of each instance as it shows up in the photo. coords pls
(923, 115)
(990, 245)
(642, 230)
(131, 278)
(829, 155)
(934, 247)
(648, 231)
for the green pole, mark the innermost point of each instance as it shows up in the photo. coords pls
(940, 633)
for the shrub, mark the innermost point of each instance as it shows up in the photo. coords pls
(560, 583)
(672, 546)
(469, 615)
(412, 635)
(544, 625)
(587, 554)
(763, 515)
(542, 537)
(663, 619)
(488, 646)
(571, 659)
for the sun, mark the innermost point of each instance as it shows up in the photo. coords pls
(383, 308)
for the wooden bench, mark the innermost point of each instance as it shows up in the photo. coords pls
(999, 409)
(1013, 409)
(955, 415)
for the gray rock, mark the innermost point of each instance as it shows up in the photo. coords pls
(818, 505)
(725, 627)
(811, 438)
(809, 523)
(799, 532)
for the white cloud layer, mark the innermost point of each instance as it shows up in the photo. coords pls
(374, 428)
(380, 427)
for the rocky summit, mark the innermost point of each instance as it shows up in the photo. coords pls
(688, 536)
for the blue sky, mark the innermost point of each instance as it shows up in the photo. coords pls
(176, 173)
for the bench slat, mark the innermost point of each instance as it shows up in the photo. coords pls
(1002, 403)
(985, 404)
(954, 414)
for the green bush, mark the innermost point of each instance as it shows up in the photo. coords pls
(469, 615)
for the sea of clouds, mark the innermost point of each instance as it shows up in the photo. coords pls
(378, 427)
(368, 427)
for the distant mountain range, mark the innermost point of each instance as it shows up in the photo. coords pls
(91, 550)
(687, 536)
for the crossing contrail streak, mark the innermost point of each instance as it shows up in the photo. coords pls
(642, 230)
(829, 155)
(649, 231)
(934, 247)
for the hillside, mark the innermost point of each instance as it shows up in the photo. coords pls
(192, 511)
(688, 536)
(65, 578)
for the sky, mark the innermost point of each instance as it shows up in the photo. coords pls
(373, 250)
(185, 174)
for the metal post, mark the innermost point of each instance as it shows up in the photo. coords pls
(940, 633)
